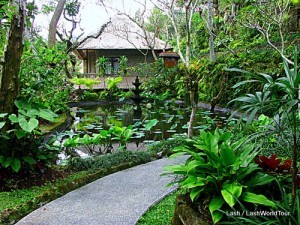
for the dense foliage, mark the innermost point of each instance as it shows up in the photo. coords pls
(42, 75)
(218, 165)
(251, 166)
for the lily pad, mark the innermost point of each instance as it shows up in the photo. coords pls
(171, 131)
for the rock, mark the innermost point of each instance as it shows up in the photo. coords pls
(185, 214)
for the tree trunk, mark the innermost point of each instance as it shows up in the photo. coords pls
(12, 60)
(188, 35)
(214, 101)
(54, 21)
(210, 29)
(194, 103)
(192, 117)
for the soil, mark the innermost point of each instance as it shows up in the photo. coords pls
(10, 181)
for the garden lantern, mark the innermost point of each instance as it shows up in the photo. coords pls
(170, 59)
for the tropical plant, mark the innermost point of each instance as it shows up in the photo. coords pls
(97, 143)
(19, 137)
(113, 91)
(112, 83)
(142, 127)
(273, 163)
(88, 82)
(221, 171)
(279, 98)
(89, 95)
(101, 64)
(123, 64)
(122, 134)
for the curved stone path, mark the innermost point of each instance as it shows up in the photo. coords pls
(117, 199)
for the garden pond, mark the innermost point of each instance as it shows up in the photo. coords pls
(155, 123)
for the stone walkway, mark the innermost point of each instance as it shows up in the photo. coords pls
(117, 199)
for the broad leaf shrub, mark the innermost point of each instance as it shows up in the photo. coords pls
(108, 160)
(279, 99)
(88, 82)
(221, 171)
(20, 138)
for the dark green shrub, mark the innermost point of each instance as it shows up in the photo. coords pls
(42, 78)
(21, 138)
(109, 160)
(89, 95)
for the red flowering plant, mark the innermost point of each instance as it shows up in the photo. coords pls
(274, 164)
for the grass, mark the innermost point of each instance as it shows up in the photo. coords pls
(161, 213)
(15, 198)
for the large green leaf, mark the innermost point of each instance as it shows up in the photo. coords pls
(198, 166)
(216, 204)
(20, 133)
(244, 82)
(245, 171)
(268, 79)
(239, 71)
(260, 179)
(32, 112)
(227, 155)
(192, 182)
(47, 114)
(195, 155)
(214, 159)
(212, 142)
(195, 193)
(247, 155)
(225, 136)
(13, 118)
(21, 104)
(176, 155)
(2, 124)
(7, 162)
(16, 164)
(29, 160)
(128, 134)
(3, 115)
(231, 192)
(151, 123)
(28, 126)
(177, 169)
(257, 199)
